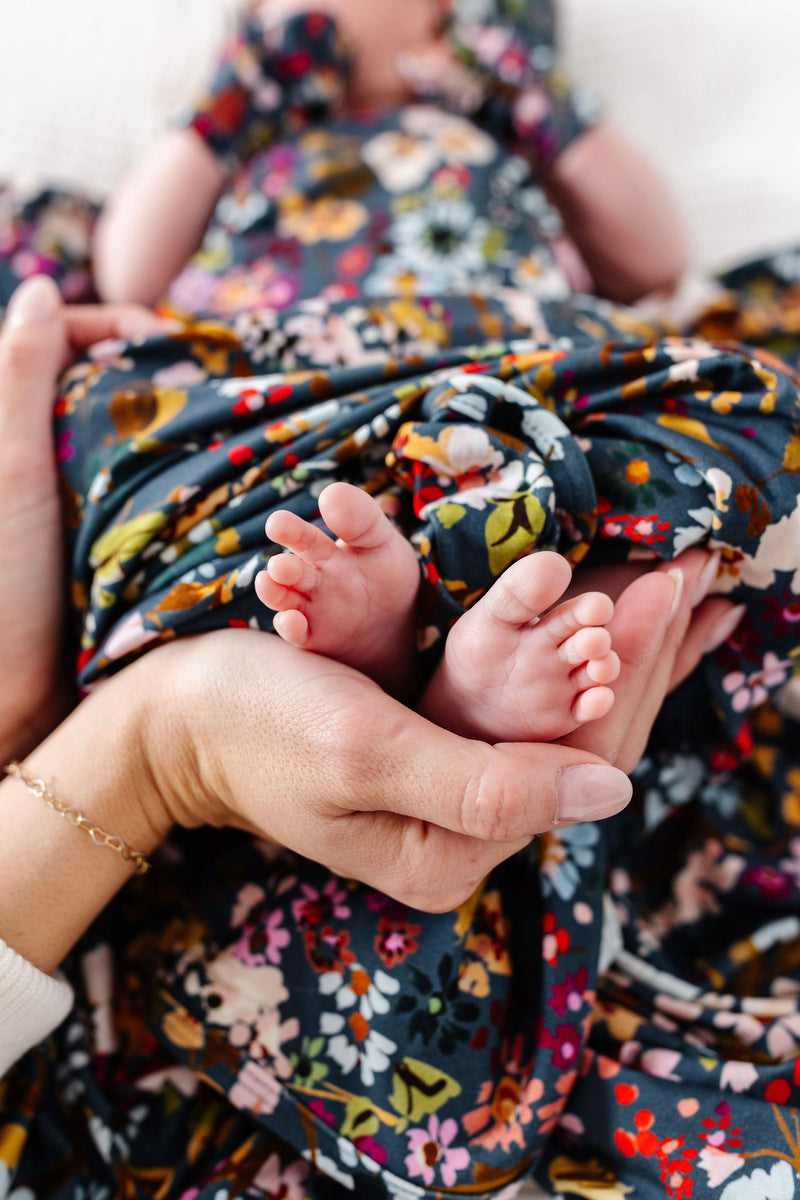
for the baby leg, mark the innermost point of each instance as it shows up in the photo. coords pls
(352, 599)
(515, 668)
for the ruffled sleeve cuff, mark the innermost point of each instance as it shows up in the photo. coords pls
(32, 1004)
(270, 79)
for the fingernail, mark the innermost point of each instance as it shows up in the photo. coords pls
(146, 324)
(676, 575)
(590, 792)
(724, 628)
(706, 579)
(35, 300)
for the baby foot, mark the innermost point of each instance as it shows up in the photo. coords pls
(510, 674)
(353, 599)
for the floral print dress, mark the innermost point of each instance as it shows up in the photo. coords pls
(614, 1011)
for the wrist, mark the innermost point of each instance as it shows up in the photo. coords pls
(55, 878)
(181, 714)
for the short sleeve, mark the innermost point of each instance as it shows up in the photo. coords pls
(270, 79)
(529, 102)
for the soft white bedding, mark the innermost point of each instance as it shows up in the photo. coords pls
(710, 88)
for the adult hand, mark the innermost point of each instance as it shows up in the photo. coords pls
(310, 754)
(237, 727)
(38, 338)
(660, 638)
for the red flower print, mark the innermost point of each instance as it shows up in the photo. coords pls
(645, 530)
(314, 906)
(718, 1133)
(395, 940)
(555, 940)
(327, 950)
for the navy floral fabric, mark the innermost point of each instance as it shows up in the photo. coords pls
(614, 1011)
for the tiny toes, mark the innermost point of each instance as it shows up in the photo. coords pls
(586, 644)
(292, 626)
(291, 572)
(596, 671)
(593, 704)
(605, 669)
(593, 608)
(299, 536)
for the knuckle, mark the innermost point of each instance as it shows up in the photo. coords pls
(495, 805)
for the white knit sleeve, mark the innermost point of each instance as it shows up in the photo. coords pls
(32, 1004)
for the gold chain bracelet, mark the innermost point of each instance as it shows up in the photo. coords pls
(38, 788)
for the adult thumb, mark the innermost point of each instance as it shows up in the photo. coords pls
(33, 345)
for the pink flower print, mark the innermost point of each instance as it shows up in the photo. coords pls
(64, 447)
(718, 1164)
(565, 1044)
(783, 1037)
(569, 995)
(316, 907)
(129, 635)
(430, 1149)
(27, 262)
(247, 898)
(395, 940)
(287, 1183)
(791, 865)
(256, 1089)
(180, 374)
(322, 1113)
(770, 881)
(367, 1145)
(748, 691)
(263, 941)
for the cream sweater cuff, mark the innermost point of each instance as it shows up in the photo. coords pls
(32, 1004)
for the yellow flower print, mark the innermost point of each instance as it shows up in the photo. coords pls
(512, 528)
(423, 322)
(692, 428)
(184, 1030)
(328, 218)
(770, 381)
(139, 410)
(637, 471)
(791, 455)
(12, 1143)
(591, 1180)
(790, 800)
(117, 547)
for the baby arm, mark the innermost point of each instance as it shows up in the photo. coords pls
(619, 214)
(157, 219)
(614, 207)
